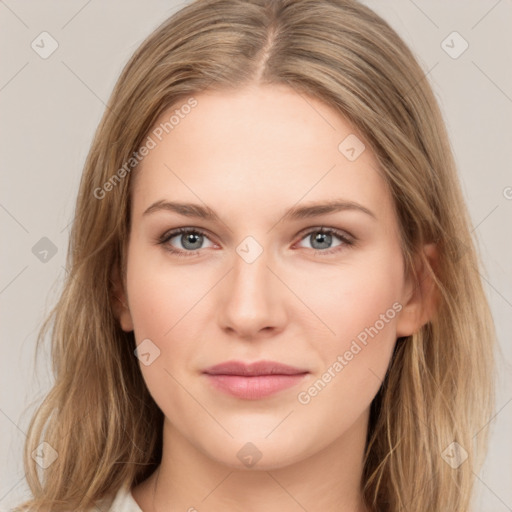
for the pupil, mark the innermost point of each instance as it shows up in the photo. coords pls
(323, 239)
(189, 239)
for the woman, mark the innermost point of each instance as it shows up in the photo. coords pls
(273, 300)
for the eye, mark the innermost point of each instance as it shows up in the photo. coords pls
(184, 241)
(189, 241)
(326, 240)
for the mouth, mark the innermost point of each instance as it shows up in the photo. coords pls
(253, 381)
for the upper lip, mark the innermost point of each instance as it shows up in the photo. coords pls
(256, 368)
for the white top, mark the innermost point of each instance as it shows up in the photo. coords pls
(123, 502)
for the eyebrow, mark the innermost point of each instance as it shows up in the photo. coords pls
(295, 213)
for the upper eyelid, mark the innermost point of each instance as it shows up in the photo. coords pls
(171, 233)
(335, 231)
(168, 235)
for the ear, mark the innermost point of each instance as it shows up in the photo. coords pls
(120, 302)
(420, 297)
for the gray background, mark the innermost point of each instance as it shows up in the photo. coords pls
(50, 108)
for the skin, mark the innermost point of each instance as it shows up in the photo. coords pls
(250, 155)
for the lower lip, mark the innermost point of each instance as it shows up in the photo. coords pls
(255, 387)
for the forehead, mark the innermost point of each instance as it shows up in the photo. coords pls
(260, 148)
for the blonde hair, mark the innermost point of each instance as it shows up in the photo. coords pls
(99, 415)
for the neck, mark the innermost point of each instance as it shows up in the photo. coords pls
(190, 480)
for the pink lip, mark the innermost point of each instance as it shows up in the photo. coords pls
(253, 381)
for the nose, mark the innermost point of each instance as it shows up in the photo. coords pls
(252, 299)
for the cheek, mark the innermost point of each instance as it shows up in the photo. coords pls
(350, 326)
(160, 294)
(168, 308)
(348, 300)
(360, 307)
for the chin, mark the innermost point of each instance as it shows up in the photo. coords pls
(255, 452)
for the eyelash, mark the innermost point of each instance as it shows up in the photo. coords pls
(162, 240)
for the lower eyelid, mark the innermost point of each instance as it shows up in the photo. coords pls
(345, 240)
(168, 237)
(343, 237)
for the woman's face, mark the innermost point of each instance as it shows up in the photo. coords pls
(267, 273)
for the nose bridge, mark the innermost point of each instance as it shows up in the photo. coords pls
(252, 300)
(250, 279)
